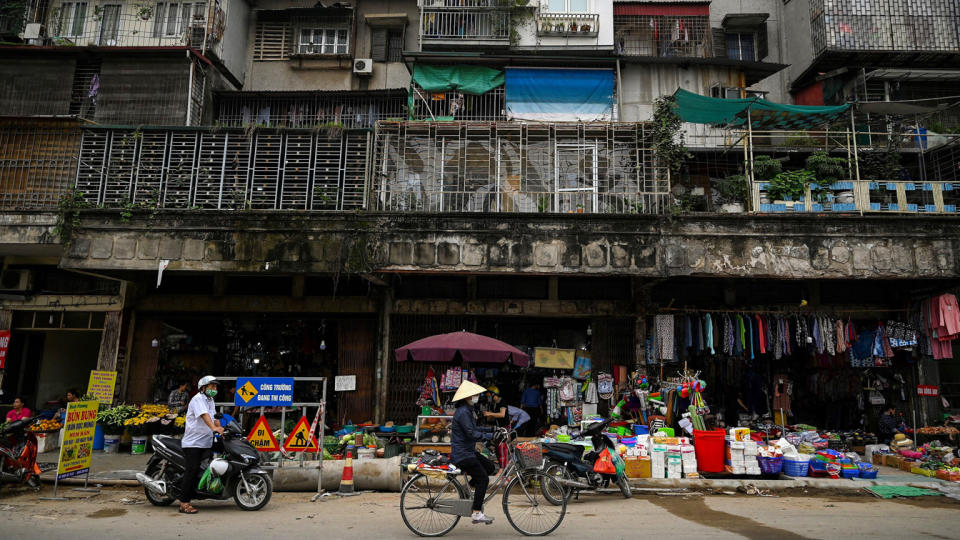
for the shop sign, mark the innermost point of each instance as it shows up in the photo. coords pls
(928, 390)
(544, 357)
(101, 385)
(301, 439)
(76, 450)
(343, 383)
(264, 392)
(4, 345)
(261, 436)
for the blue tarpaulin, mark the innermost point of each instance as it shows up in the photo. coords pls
(562, 95)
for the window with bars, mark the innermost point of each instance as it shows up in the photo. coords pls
(172, 19)
(741, 46)
(323, 41)
(386, 45)
(73, 15)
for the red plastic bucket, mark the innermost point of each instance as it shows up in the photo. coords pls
(709, 448)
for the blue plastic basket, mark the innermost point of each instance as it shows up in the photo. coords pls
(868, 474)
(640, 429)
(770, 465)
(850, 473)
(795, 468)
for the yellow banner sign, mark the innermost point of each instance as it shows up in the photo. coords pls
(76, 449)
(102, 384)
(544, 357)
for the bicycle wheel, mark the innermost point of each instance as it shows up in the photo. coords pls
(418, 498)
(560, 472)
(527, 507)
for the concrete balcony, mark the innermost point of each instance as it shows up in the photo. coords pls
(568, 24)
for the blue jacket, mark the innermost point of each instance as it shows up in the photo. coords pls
(465, 434)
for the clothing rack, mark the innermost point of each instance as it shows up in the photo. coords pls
(783, 312)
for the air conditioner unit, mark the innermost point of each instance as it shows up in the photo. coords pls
(34, 31)
(16, 280)
(195, 35)
(363, 66)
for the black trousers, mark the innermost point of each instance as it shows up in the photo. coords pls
(530, 428)
(479, 469)
(192, 458)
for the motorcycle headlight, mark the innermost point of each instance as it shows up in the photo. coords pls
(248, 459)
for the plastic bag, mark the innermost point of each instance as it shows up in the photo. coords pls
(604, 463)
(582, 368)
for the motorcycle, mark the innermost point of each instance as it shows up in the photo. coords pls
(235, 460)
(18, 454)
(574, 469)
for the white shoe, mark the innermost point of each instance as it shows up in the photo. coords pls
(478, 517)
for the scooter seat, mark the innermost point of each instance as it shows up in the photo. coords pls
(172, 442)
(564, 448)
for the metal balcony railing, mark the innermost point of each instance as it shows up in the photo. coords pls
(568, 24)
(885, 25)
(127, 25)
(464, 24)
(662, 35)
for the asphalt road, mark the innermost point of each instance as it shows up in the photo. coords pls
(123, 513)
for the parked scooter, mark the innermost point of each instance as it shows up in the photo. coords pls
(236, 463)
(18, 454)
(574, 469)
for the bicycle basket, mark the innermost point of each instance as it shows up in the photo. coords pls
(530, 455)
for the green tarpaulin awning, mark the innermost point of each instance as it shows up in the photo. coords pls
(763, 114)
(474, 80)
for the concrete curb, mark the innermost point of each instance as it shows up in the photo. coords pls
(785, 483)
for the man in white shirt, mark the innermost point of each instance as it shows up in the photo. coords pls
(197, 438)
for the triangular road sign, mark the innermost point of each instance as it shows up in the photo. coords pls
(261, 437)
(300, 439)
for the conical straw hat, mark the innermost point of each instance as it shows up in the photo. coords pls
(468, 389)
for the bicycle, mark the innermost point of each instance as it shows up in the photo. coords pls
(433, 500)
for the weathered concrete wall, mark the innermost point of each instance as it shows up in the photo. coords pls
(810, 247)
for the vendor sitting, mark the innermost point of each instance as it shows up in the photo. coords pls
(891, 424)
(517, 416)
(19, 412)
(73, 396)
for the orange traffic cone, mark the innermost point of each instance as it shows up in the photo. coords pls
(346, 481)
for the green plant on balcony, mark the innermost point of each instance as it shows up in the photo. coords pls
(827, 169)
(68, 215)
(144, 11)
(733, 189)
(766, 167)
(790, 185)
(668, 141)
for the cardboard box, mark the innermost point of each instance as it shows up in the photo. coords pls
(878, 459)
(891, 460)
(907, 465)
(638, 468)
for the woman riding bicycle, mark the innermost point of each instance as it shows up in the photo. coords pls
(464, 435)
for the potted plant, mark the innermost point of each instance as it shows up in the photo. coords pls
(573, 27)
(558, 28)
(790, 186)
(585, 28)
(827, 171)
(112, 422)
(733, 191)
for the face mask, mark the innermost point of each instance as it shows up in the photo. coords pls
(474, 400)
(211, 393)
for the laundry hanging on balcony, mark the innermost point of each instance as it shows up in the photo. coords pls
(475, 80)
(559, 95)
(763, 114)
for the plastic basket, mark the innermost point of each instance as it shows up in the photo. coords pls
(770, 465)
(795, 468)
(640, 429)
(850, 473)
(530, 455)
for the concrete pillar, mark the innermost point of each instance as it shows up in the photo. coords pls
(384, 351)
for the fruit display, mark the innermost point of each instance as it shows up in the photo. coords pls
(45, 426)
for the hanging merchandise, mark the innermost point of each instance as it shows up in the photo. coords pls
(568, 391)
(551, 382)
(605, 385)
(590, 394)
(553, 402)
(664, 343)
(582, 367)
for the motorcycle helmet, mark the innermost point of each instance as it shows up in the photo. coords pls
(205, 380)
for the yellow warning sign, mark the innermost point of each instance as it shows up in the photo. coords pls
(300, 439)
(247, 392)
(261, 437)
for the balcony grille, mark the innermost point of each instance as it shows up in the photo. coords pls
(663, 35)
(885, 25)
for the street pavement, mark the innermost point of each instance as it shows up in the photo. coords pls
(122, 512)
